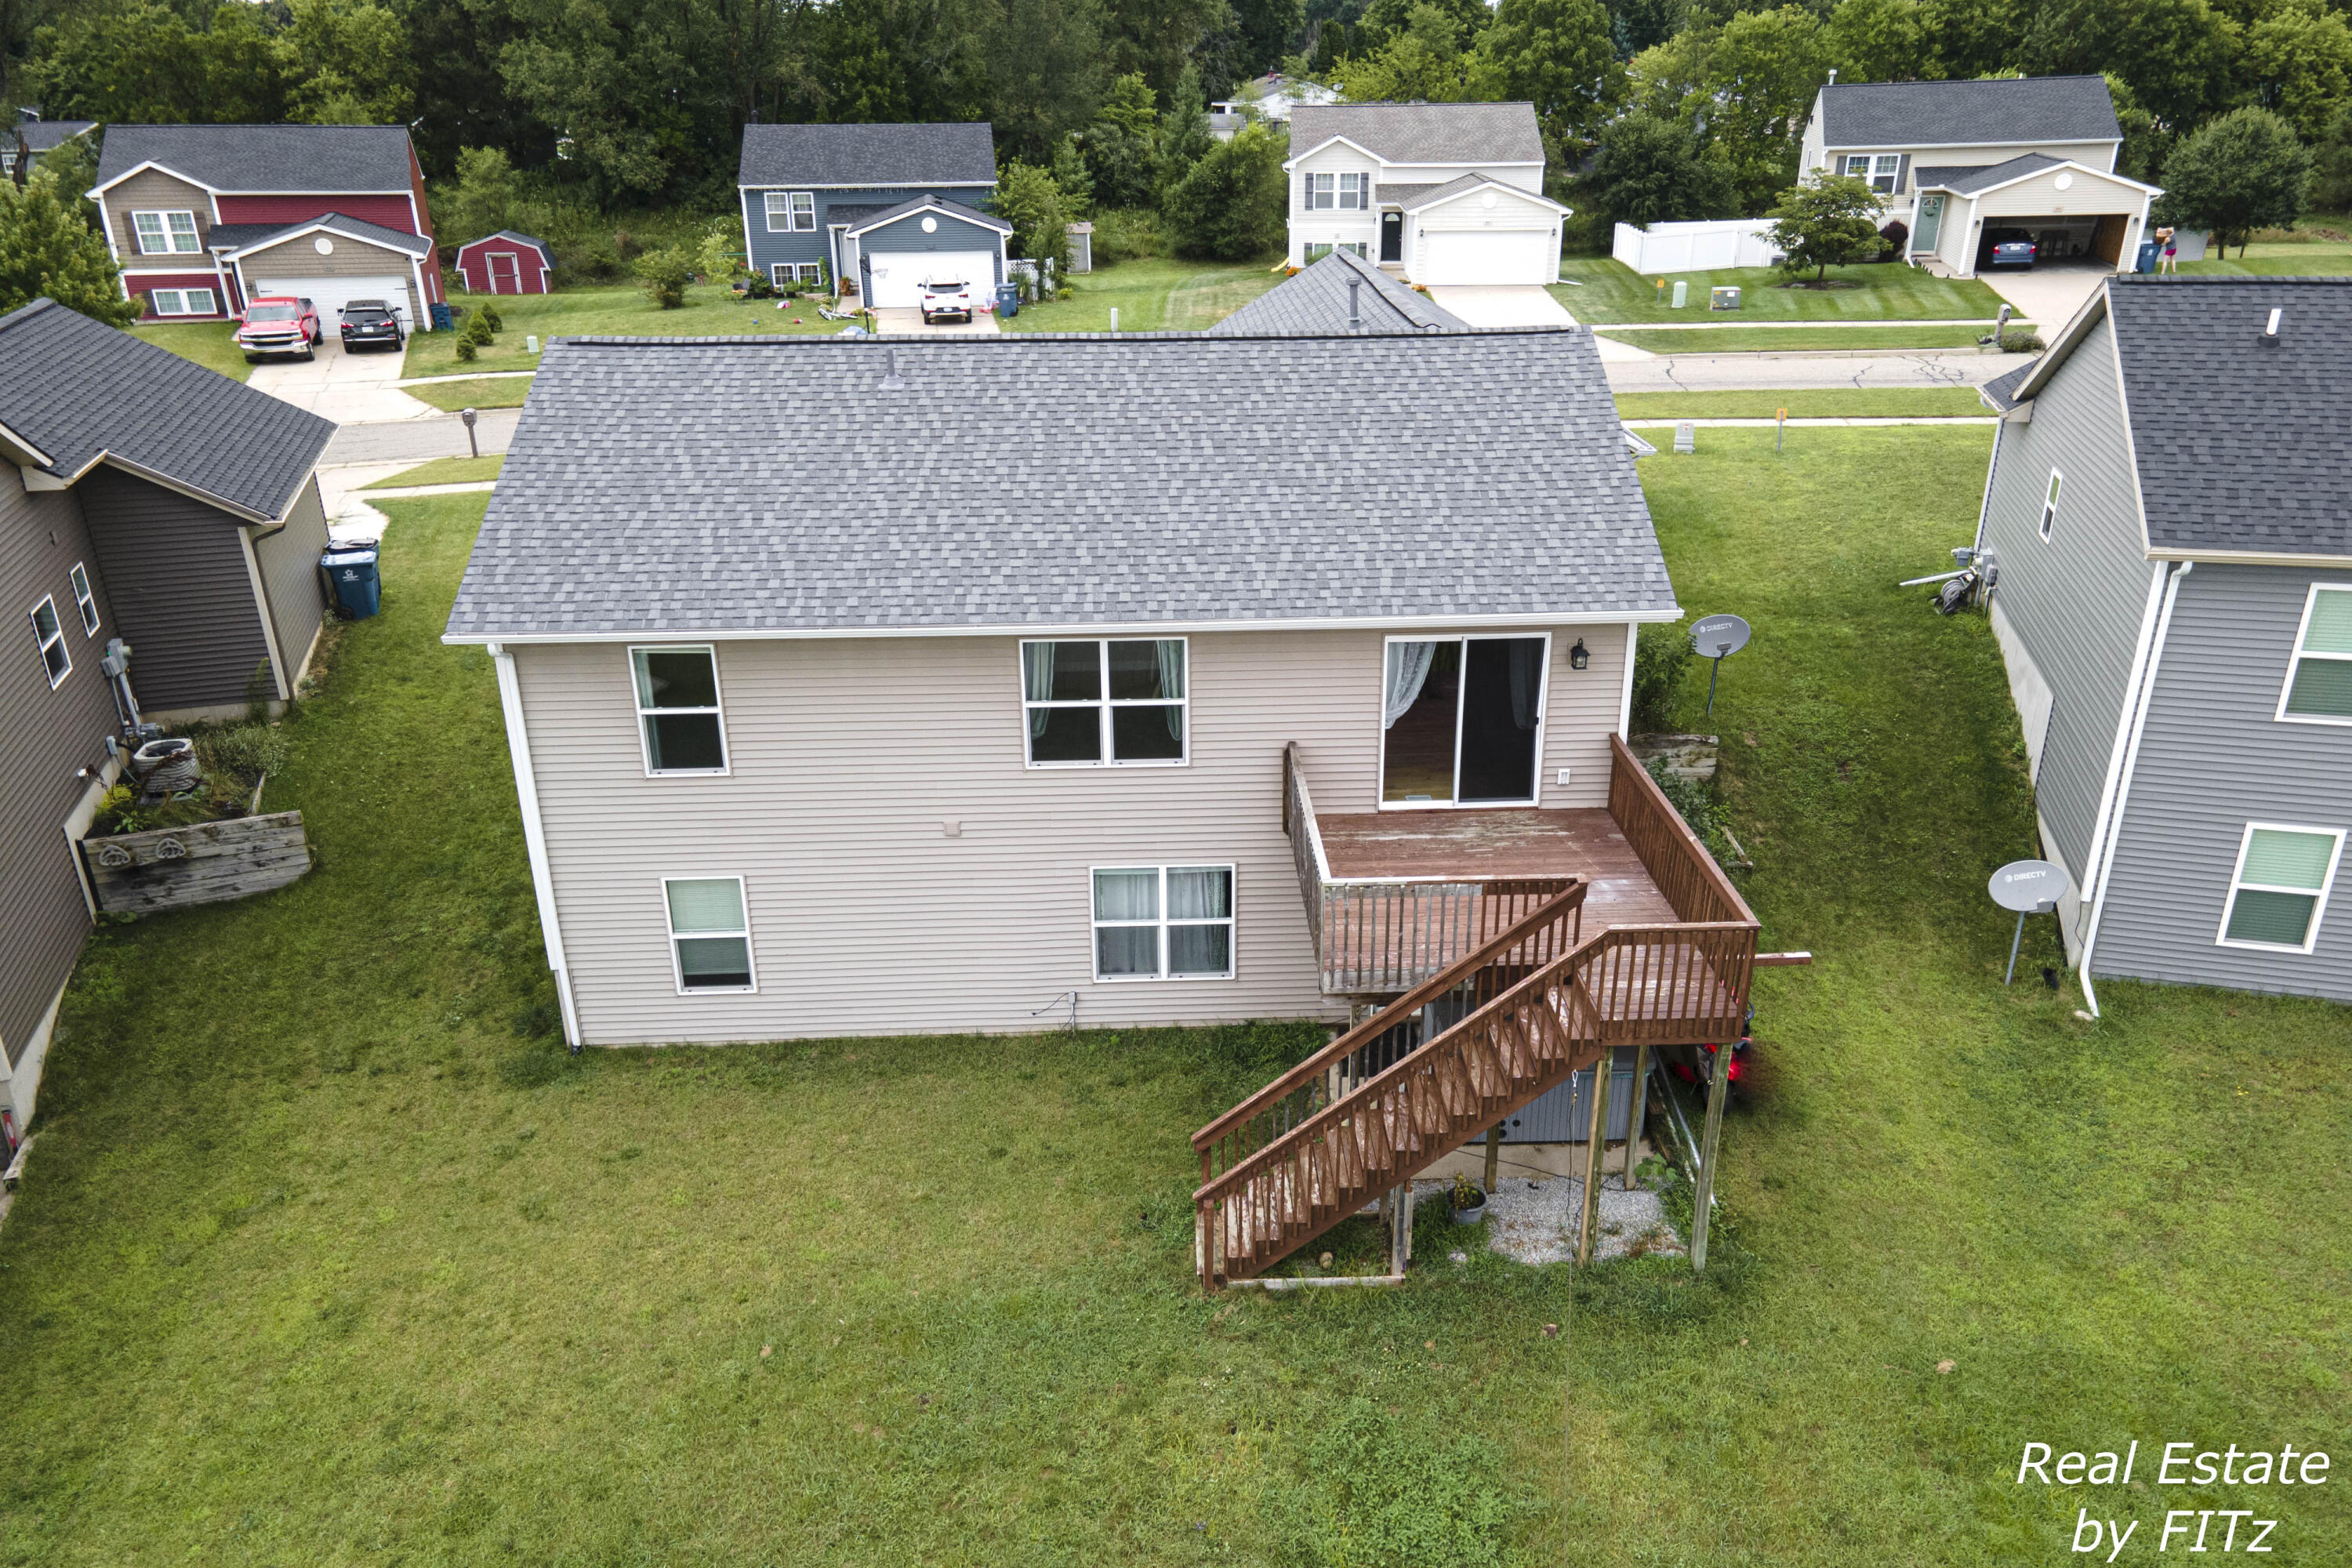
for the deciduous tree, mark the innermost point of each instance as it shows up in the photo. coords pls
(2243, 172)
(1554, 54)
(2299, 59)
(1232, 206)
(1647, 171)
(1828, 221)
(47, 248)
(1878, 41)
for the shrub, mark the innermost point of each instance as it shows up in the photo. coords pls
(757, 287)
(1233, 205)
(466, 350)
(665, 275)
(2021, 343)
(1693, 799)
(1127, 234)
(1897, 237)
(244, 751)
(1661, 655)
(477, 331)
(490, 316)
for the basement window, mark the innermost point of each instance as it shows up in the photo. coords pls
(1163, 923)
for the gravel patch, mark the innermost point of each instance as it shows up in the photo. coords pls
(1534, 1221)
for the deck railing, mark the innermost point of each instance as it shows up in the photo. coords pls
(1677, 862)
(1378, 935)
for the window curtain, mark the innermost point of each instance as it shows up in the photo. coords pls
(1171, 682)
(1037, 676)
(1127, 895)
(1200, 893)
(1409, 665)
(1527, 680)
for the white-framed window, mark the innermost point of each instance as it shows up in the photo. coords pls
(782, 272)
(7, 162)
(709, 934)
(792, 211)
(1462, 720)
(1883, 168)
(166, 233)
(1163, 923)
(2049, 505)
(1858, 167)
(1318, 192)
(678, 718)
(182, 301)
(2279, 890)
(1105, 702)
(2318, 688)
(84, 600)
(1315, 250)
(49, 636)
(1355, 192)
(810, 272)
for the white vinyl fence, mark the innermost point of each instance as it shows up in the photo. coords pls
(1710, 246)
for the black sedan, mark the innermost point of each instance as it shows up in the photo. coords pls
(371, 322)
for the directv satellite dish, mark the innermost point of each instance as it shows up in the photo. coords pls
(2029, 887)
(1717, 637)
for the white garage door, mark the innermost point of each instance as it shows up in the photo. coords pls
(899, 275)
(1490, 256)
(329, 294)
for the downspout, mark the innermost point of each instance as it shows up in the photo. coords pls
(534, 838)
(2105, 855)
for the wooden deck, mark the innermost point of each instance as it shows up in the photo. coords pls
(1477, 845)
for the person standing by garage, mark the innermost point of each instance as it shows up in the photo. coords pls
(2170, 262)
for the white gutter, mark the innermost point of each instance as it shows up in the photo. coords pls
(268, 620)
(1625, 697)
(2104, 858)
(534, 836)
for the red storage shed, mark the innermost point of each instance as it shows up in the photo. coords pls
(505, 263)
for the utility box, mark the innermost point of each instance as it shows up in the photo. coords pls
(1682, 293)
(1723, 297)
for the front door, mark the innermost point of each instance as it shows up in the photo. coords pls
(1462, 721)
(1392, 237)
(1931, 224)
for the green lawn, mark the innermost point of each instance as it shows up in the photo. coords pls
(444, 471)
(1612, 291)
(2287, 258)
(349, 1264)
(1794, 340)
(476, 392)
(711, 310)
(1827, 403)
(1151, 296)
(212, 344)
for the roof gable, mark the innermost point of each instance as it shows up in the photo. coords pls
(1314, 302)
(1454, 190)
(956, 153)
(510, 237)
(869, 222)
(313, 159)
(250, 237)
(1161, 479)
(80, 391)
(1424, 133)
(2011, 111)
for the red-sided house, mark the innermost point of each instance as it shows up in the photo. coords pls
(202, 218)
(505, 263)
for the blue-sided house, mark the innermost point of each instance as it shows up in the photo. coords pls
(858, 203)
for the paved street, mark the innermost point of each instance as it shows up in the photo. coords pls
(414, 440)
(1725, 373)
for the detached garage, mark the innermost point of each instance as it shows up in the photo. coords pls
(1476, 230)
(899, 250)
(334, 260)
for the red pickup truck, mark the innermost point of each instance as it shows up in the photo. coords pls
(279, 325)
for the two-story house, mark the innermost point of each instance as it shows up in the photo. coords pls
(159, 533)
(993, 683)
(1955, 161)
(2168, 518)
(1438, 192)
(23, 144)
(873, 209)
(204, 218)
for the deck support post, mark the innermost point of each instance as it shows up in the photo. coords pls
(1494, 1157)
(1709, 1141)
(1634, 1113)
(1596, 1140)
(1398, 1203)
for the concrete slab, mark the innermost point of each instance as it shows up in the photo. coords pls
(1503, 305)
(1760, 372)
(2048, 295)
(906, 319)
(348, 388)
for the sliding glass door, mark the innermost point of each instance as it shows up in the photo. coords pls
(1462, 720)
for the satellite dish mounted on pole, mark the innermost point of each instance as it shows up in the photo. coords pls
(1717, 637)
(2031, 887)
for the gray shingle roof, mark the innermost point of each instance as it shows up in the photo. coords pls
(77, 388)
(334, 223)
(1968, 179)
(1313, 303)
(333, 158)
(932, 154)
(933, 204)
(2240, 447)
(1424, 133)
(42, 135)
(2000, 392)
(1401, 195)
(1049, 481)
(2018, 109)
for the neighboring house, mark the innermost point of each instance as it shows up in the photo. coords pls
(2169, 515)
(204, 218)
(1955, 160)
(31, 136)
(1340, 293)
(874, 209)
(1441, 192)
(505, 263)
(149, 499)
(1270, 98)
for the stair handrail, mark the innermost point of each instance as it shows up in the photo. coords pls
(1570, 900)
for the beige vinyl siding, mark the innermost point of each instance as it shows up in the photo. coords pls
(289, 559)
(44, 736)
(848, 755)
(1466, 212)
(153, 191)
(181, 593)
(298, 259)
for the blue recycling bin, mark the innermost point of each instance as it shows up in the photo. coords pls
(443, 318)
(1008, 298)
(2148, 249)
(352, 583)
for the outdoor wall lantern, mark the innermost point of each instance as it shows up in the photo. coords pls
(1577, 657)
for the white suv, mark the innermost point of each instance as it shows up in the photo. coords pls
(942, 300)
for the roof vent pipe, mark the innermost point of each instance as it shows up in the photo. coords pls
(891, 380)
(2270, 329)
(1355, 318)
(1832, 76)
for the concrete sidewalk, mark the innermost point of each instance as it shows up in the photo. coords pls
(1796, 372)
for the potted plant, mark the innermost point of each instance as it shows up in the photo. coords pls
(1469, 1202)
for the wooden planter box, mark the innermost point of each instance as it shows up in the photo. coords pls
(170, 867)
